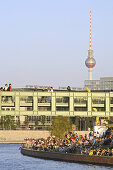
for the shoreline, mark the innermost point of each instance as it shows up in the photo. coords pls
(12, 142)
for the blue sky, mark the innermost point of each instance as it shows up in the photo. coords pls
(45, 42)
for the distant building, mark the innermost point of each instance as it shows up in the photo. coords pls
(105, 83)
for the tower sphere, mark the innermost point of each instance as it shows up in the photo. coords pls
(90, 62)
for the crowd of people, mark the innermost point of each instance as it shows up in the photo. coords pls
(49, 89)
(6, 88)
(74, 143)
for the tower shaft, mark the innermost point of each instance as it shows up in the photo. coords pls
(90, 73)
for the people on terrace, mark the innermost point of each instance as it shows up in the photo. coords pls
(74, 143)
(6, 88)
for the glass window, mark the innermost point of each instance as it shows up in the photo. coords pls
(48, 119)
(98, 100)
(44, 108)
(80, 100)
(26, 108)
(44, 99)
(58, 108)
(26, 99)
(7, 99)
(39, 118)
(8, 108)
(100, 109)
(3, 108)
(111, 100)
(80, 109)
(62, 100)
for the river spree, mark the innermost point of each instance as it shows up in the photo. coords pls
(12, 159)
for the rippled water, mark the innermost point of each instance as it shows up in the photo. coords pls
(12, 159)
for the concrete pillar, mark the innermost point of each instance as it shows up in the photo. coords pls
(107, 105)
(53, 103)
(71, 104)
(17, 103)
(89, 104)
(35, 103)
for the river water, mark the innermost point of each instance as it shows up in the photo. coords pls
(12, 159)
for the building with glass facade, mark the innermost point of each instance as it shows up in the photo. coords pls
(105, 83)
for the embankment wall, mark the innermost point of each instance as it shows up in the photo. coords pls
(20, 135)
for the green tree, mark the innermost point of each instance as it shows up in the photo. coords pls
(2, 122)
(36, 122)
(43, 120)
(60, 126)
(76, 122)
(89, 123)
(9, 122)
(18, 123)
(26, 122)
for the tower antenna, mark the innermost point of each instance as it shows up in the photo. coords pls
(90, 30)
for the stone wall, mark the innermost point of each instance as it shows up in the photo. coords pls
(20, 135)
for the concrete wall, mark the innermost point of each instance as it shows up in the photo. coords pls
(20, 135)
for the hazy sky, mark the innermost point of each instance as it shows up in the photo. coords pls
(45, 42)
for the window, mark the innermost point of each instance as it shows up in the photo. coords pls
(80, 109)
(8, 108)
(26, 99)
(26, 108)
(62, 100)
(80, 100)
(98, 100)
(44, 99)
(12, 109)
(48, 119)
(100, 109)
(58, 108)
(7, 99)
(44, 108)
(111, 100)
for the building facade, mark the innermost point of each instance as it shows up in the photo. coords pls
(72, 103)
(105, 83)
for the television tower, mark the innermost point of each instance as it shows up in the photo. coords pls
(90, 61)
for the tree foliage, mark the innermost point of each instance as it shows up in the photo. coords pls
(43, 120)
(60, 126)
(36, 122)
(8, 122)
(26, 122)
